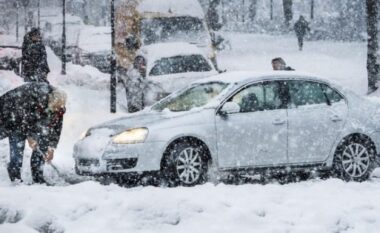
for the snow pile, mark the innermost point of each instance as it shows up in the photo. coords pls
(313, 206)
(88, 76)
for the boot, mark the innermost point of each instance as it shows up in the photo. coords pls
(14, 174)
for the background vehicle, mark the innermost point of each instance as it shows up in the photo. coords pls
(94, 48)
(159, 69)
(148, 22)
(240, 122)
(10, 58)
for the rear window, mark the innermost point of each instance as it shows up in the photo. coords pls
(180, 64)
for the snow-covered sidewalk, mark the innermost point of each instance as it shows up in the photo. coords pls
(311, 206)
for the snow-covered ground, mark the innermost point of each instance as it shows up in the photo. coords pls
(310, 206)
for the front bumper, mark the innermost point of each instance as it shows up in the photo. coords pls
(119, 158)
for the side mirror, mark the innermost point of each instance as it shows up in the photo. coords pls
(229, 108)
(131, 43)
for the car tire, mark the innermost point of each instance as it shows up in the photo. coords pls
(354, 159)
(185, 164)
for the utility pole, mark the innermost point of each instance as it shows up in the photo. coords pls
(38, 13)
(25, 19)
(271, 9)
(63, 55)
(373, 66)
(16, 5)
(312, 9)
(113, 59)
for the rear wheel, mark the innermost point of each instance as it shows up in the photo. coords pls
(185, 164)
(354, 159)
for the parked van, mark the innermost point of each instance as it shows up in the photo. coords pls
(145, 22)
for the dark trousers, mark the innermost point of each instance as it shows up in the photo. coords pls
(300, 42)
(17, 145)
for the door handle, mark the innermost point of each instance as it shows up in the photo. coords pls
(279, 122)
(335, 118)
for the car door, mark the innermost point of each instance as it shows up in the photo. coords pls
(257, 135)
(316, 115)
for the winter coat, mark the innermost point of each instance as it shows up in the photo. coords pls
(34, 61)
(301, 27)
(212, 18)
(24, 112)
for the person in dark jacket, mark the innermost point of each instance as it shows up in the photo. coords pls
(279, 64)
(34, 59)
(32, 112)
(212, 16)
(301, 27)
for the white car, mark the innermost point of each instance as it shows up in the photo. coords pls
(159, 69)
(240, 121)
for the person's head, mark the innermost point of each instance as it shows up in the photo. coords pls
(302, 17)
(278, 63)
(57, 100)
(35, 34)
(140, 65)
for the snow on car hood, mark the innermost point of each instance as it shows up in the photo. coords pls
(136, 120)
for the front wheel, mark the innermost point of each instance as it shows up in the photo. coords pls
(354, 159)
(186, 164)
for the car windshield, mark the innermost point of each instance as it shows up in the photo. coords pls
(180, 64)
(172, 29)
(195, 96)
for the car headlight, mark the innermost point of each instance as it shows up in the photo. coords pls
(131, 136)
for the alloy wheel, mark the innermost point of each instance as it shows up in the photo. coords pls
(355, 160)
(189, 165)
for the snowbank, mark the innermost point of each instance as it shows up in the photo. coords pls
(313, 206)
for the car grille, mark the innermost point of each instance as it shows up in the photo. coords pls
(119, 164)
(88, 162)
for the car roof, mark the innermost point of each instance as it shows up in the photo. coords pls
(157, 51)
(171, 8)
(242, 77)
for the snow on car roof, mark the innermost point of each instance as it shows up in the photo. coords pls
(172, 7)
(247, 76)
(95, 39)
(157, 51)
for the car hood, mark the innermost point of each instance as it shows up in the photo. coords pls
(141, 119)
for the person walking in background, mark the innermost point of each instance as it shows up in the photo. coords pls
(301, 27)
(32, 112)
(34, 59)
(279, 64)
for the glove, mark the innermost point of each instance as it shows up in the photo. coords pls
(32, 143)
(49, 154)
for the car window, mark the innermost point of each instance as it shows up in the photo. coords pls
(306, 93)
(195, 96)
(259, 97)
(180, 64)
(332, 95)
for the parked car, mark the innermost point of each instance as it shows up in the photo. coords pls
(10, 58)
(94, 48)
(159, 69)
(147, 22)
(240, 121)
